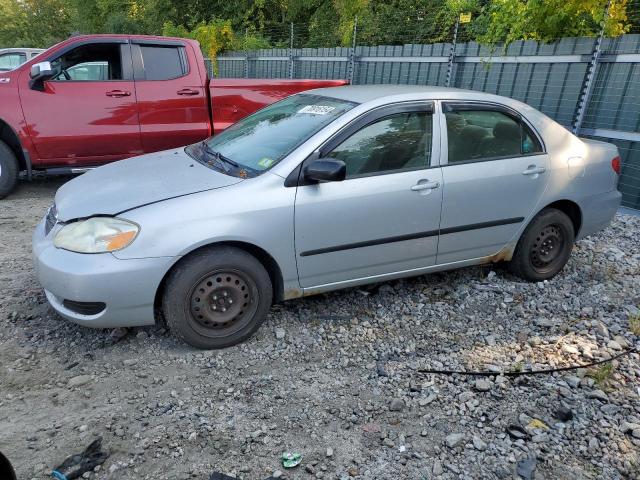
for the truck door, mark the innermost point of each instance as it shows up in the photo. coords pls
(86, 113)
(171, 92)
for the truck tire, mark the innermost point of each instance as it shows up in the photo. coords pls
(217, 297)
(8, 170)
(544, 247)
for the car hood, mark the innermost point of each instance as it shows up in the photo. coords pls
(134, 182)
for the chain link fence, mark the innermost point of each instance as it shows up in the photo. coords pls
(591, 85)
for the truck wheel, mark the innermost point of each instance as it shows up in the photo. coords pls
(544, 247)
(217, 297)
(8, 170)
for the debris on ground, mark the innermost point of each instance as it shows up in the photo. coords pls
(291, 459)
(76, 465)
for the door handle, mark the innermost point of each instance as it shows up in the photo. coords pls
(187, 91)
(534, 170)
(118, 93)
(425, 185)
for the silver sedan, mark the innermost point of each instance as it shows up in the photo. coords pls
(324, 190)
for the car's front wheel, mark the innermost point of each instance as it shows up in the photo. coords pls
(544, 247)
(217, 297)
(8, 170)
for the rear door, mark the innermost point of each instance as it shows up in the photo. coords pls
(87, 112)
(494, 176)
(172, 98)
(384, 217)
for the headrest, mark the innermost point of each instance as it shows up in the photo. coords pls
(473, 133)
(455, 121)
(507, 131)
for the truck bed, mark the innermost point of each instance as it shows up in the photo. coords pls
(235, 98)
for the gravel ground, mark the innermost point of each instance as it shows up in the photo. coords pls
(337, 377)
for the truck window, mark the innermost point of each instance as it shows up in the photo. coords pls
(89, 63)
(163, 62)
(9, 61)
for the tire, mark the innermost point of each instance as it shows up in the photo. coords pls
(544, 247)
(217, 297)
(8, 170)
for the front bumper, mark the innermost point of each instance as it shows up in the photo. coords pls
(127, 287)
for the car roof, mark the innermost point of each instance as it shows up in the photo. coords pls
(383, 94)
(367, 93)
(371, 96)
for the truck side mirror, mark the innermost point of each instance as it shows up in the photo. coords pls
(39, 73)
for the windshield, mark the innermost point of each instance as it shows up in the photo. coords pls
(259, 141)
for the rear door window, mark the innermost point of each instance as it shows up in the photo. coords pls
(163, 62)
(478, 134)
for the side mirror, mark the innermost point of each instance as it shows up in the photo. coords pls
(39, 73)
(326, 170)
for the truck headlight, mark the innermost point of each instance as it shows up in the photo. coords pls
(96, 235)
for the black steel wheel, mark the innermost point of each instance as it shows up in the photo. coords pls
(217, 297)
(547, 248)
(544, 247)
(222, 302)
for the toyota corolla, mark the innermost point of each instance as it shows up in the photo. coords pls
(323, 190)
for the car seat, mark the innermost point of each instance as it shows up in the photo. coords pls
(464, 143)
(506, 141)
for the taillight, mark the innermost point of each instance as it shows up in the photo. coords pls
(615, 164)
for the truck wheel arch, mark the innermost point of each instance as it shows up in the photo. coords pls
(10, 137)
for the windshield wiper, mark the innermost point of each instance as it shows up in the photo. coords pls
(218, 155)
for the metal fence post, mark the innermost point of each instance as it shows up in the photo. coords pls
(452, 53)
(352, 53)
(246, 56)
(291, 59)
(589, 78)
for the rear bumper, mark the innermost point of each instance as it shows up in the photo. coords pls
(127, 287)
(598, 211)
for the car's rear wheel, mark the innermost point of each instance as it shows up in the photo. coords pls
(217, 297)
(544, 247)
(8, 170)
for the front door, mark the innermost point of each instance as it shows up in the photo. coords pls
(384, 217)
(87, 111)
(494, 177)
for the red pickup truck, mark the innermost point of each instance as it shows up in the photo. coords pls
(93, 99)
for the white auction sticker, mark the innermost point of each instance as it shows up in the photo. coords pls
(317, 109)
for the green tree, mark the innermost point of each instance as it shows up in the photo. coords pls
(33, 23)
(547, 20)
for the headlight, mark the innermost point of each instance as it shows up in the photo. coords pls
(96, 235)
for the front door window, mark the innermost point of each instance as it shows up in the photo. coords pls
(97, 62)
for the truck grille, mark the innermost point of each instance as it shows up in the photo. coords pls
(51, 219)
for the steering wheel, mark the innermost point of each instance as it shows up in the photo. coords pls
(65, 74)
